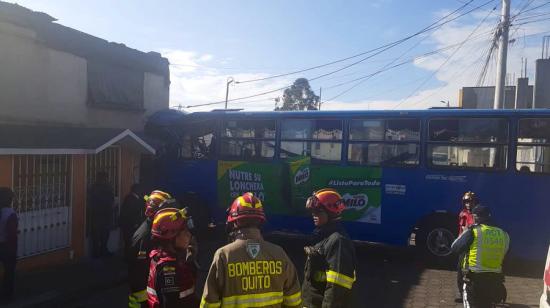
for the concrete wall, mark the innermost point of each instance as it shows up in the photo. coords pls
(483, 97)
(542, 83)
(41, 85)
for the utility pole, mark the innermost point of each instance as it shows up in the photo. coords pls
(229, 81)
(502, 55)
(320, 97)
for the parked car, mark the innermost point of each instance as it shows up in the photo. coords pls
(545, 297)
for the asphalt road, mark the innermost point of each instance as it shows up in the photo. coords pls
(386, 277)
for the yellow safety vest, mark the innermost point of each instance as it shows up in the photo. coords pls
(487, 250)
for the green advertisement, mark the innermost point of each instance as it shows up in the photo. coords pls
(284, 187)
(262, 179)
(359, 186)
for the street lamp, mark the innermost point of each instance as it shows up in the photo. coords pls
(445, 102)
(229, 81)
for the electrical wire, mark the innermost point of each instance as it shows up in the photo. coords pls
(383, 47)
(446, 60)
(434, 25)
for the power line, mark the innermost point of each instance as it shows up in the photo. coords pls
(532, 21)
(446, 60)
(434, 25)
(390, 45)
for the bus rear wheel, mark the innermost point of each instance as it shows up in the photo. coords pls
(434, 239)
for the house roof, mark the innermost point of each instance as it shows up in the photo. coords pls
(16, 139)
(66, 39)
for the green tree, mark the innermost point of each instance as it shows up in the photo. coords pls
(300, 97)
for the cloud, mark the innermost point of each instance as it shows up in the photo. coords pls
(196, 79)
(200, 78)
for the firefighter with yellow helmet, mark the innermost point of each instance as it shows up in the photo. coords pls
(329, 272)
(250, 272)
(141, 247)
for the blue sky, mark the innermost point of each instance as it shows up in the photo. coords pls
(207, 41)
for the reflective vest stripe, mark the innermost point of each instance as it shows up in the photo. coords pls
(205, 304)
(487, 250)
(187, 292)
(293, 300)
(340, 279)
(140, 296)
(253, 300)
(151, 291)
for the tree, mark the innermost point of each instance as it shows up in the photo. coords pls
(300, 97)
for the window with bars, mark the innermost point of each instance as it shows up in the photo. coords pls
(42, 186)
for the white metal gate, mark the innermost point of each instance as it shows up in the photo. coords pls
(42, 186)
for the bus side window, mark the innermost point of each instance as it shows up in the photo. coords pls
(392, 142)
(533, 145)
(248, 139)
(319, 139)
(480, 143)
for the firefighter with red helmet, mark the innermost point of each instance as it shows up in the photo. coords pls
(329, 272)
(465, 220)
(172, 272)
(250, 272)
(141, 247)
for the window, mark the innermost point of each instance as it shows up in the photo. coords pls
(248, 139)
(384, 141)
(533, 149)
(319, 139)
(198, 142)
(42, 185)
(468, 143)
(249, 129)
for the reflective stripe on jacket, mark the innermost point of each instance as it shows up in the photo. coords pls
(251, 272)
(330, 269)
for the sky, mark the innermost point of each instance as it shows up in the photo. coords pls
(208, 42)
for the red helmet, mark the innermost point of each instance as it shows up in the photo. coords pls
(328, 200)
(168, 223)
(246, 206)
(155, 201)
(470, 196)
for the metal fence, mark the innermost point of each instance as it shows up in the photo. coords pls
(42, 186)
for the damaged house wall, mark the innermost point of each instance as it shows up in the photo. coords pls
(58, 75)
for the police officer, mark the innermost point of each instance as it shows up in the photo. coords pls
(484, 246)
(141, 247)
(250, 272)
(465, 220)
(330, 266)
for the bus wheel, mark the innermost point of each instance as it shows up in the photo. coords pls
(434, 241)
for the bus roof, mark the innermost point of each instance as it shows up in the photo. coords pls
(360, 113)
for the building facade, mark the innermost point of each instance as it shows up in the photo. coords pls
(72, 105)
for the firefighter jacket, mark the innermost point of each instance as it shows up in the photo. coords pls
(251, 272)
(171, 281)
(485, 248)
(465, 220)
(138, 265)
(329, 272)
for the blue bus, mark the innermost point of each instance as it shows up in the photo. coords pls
(401, 173)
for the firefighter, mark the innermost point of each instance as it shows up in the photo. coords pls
(484, 246)
(172, 272)
(465, 220)
(250, 272)
(138, 262)
(330, 266)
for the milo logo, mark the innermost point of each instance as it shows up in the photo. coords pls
(301, 176)
(356, 202)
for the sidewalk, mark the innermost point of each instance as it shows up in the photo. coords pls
(57, 286)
